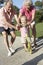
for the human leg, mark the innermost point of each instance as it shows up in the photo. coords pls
(33, 28)
(5, 36)
(24, 42)
(13, 36)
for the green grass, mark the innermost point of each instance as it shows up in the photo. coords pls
(17, 33)
(39, 30)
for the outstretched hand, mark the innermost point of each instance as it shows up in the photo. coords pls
(18, 27)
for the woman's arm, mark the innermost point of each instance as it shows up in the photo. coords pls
(33, 16)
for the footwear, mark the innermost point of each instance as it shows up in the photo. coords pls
(9, 53)
(12, 50)
(30, 51)
(35, 45)
(26, 49)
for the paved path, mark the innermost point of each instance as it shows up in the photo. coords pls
(21, 57)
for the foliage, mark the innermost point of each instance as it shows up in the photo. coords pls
(39, 11)
(38, 3)
(16, 9)
(39, 16)
(1, 1)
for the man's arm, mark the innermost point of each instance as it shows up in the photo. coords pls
(8, 23)
(16, 18)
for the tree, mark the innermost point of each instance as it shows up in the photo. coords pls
(1, 1)
(39, 11)
(39, 16)
(38, 4)
(16, 9)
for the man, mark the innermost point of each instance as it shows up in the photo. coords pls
(29, 11)
(6, 14)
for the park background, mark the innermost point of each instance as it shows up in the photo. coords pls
(20, 57)
(38, 18)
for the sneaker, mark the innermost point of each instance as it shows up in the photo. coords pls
(9, 53)
(26, 49)
(12, 50)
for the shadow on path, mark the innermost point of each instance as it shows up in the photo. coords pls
(39, 43)
(18, 49)
(35, 60)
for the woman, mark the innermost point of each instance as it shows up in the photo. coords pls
(6, 14)
(29, 11)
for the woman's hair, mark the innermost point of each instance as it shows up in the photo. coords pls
(27, 2)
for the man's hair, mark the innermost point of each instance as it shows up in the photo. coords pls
(10, 1)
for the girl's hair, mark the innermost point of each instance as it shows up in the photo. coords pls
(23, 17)
(29, 2)
(23, 21)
